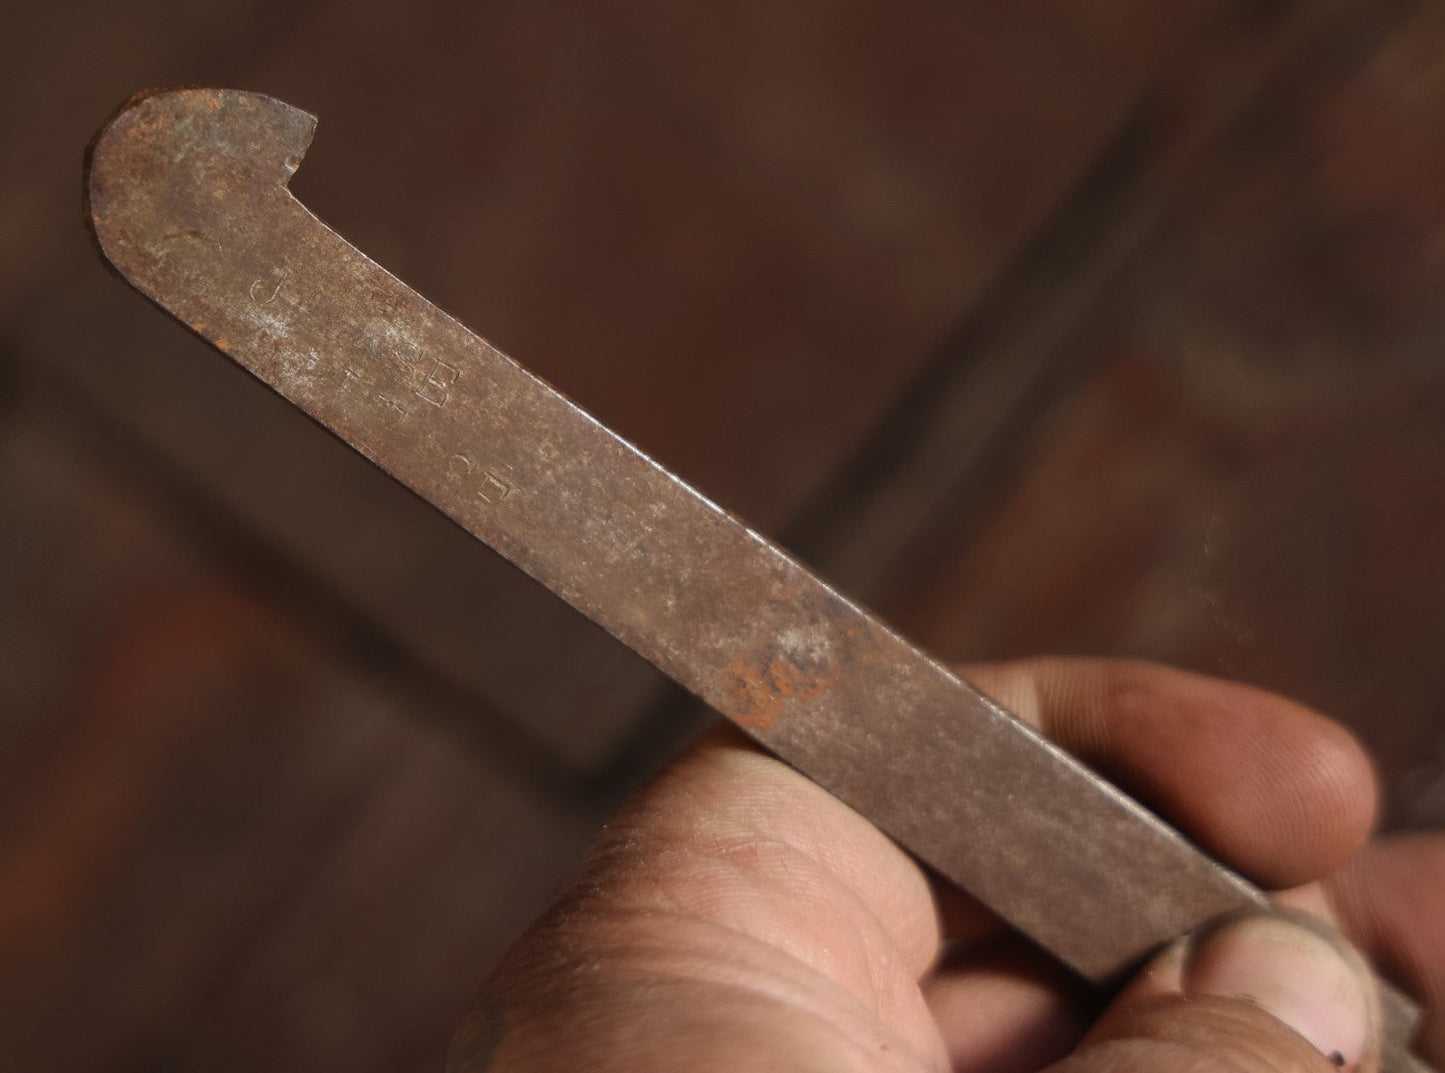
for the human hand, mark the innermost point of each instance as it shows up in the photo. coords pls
(736, 916)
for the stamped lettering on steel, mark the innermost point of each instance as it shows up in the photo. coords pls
(391, 404)
(436, 385)
(264, 294)
(493, 489)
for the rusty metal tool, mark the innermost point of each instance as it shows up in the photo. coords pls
(187, 198)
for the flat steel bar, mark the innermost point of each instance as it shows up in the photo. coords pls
(188, 200)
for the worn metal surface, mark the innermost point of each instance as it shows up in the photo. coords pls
(188, 200)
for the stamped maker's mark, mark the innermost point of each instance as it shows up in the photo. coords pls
(263, 293)
(491, 487)
(391, 404)
(436, 383)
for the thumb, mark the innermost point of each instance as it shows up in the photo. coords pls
(1266, 992)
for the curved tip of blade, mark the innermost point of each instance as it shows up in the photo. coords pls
(178, 155)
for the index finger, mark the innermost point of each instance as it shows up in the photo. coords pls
(1263, 783)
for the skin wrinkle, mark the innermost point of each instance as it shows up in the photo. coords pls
(1129, 1056)
(878, 946)
(837, 841)
(810, 1045)
(661, 871)
(804, 798)
(1218, 1034)
(647, 955)
(719, 898)
(1045, 1008)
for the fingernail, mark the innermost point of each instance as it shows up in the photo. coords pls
(1295, 969)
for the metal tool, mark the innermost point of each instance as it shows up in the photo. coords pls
(187, 196)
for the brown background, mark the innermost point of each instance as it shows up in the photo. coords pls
(1111, 326)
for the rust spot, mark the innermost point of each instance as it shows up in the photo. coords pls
(758, 696)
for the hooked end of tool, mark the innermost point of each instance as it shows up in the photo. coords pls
(172, 167)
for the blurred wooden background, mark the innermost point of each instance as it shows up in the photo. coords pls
(1112, 326)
